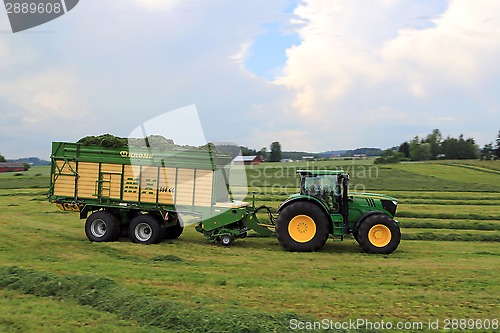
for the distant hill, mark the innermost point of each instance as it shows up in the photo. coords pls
(365, 151)
(331, 153)
(297, 155)
(35, 161)
(352, 152)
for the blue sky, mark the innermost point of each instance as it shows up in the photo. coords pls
(266, 57)
(315, 75)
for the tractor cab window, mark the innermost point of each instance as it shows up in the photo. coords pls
(321, 185)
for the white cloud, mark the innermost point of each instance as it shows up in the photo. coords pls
(463, 48)
(368, 68)
(43, 98)
(130, 61)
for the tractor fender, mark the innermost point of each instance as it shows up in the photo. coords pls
(364, 216)
(313, 200)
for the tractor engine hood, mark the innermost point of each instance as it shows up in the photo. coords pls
(375, 201)
(373, 196)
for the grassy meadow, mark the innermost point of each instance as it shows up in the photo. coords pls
(52, 279)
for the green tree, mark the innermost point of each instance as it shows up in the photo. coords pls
(262, 153)
(497, 146)
(389, 156)
(433, 146)
(471, 149)
(245, 151)
(275, 152)
(460, 148)
(2, 159)
(404, 149)
(420, 151)
(487, 152)
(434, 139)
(449, 148)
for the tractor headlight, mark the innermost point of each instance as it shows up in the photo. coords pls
(390, 206)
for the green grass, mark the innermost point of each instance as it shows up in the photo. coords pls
(451, 172)
(30, 313)
(35, 177)
(488, 165)
(52, 279)
(464, 224)
(428, 177)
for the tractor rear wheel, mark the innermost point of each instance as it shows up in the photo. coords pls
(355, 235)
(145, 229)
(379, 234)
(302, 227)
(102, 226)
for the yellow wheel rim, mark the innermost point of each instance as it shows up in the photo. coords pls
(302, 228)
(379, 235)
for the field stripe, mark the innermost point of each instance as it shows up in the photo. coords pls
(106, 295)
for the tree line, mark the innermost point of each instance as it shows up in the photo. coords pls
(275, 155)
(433, 147)
(430, 147)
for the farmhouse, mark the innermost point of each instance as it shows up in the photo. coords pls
(247, 160)
(11, 166)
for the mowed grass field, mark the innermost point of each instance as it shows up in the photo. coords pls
(52, 279)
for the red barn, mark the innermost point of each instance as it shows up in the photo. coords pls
(11, 167)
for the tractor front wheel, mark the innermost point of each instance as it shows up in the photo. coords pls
(379, 234)
(302, 227)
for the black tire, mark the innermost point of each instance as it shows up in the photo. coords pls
(227, 240)
(309, 227)
(379, 234)
(174, 232)
(102, 226)
(355, 235)
(145, 229)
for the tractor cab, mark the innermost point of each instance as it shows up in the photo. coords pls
(330, 186)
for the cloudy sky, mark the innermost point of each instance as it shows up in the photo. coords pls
(314, 75)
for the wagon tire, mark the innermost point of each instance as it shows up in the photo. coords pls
(175, 231)
(102, 226)
(302, 227)
(145, 229)
(379, 234)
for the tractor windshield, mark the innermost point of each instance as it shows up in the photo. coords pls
(321, 185)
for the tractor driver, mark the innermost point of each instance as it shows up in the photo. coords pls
(315, 186)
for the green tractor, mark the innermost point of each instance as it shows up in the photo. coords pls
(324, 207)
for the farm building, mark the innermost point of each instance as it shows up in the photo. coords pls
(247, 160)
(11, 167)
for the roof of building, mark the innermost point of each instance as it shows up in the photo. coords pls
(11, 165)
(320, 172)
(244, 158)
